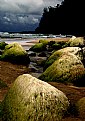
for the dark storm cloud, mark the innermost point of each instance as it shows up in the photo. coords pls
(17, 13)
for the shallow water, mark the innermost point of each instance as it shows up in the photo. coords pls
(26, 43)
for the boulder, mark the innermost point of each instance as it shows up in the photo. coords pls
(38, 47)
(44, 41)
(15, 53)
(76, 42)
(31, 99)
(38, 60)
(67, 69)
(59, 53)
(80, 105)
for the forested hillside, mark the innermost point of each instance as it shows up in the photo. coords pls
(67, 18)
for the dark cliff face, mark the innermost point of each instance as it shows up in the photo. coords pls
(67, 18)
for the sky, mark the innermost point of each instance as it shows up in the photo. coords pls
(22, 15)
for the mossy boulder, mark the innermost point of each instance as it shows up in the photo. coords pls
(44, 41)
(31, 99)
(76, 42)
(56, 46)
(2, 45)
(59, 53)
(80, 105)
(67, 69)
(59, 45)
(15, 53)
(38, 47)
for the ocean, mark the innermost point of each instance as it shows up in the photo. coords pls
(26, 40)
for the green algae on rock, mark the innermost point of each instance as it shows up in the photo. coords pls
(31, 99)
(67, 69)
(76, 41)
(15, 53)
(38, 47)
(59, 53)
(80, 106)
(44, 41)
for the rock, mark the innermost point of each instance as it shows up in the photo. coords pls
(32, 68)
(42, 54)
(38, 60)
(76, 42)
(31, 99)
(51, 43)
(67, 69)
(36, 74)
(31, 53)
(15, 53)
(44, 41)
(2, 45)
(80, 105)
(59, 53)
(1, 51)
(38, 47)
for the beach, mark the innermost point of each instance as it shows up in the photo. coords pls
(9, 72)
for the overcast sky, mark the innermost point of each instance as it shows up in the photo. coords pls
(22, 15)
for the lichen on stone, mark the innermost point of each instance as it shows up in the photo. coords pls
(15, 53)
(66, 69)
(31, 99)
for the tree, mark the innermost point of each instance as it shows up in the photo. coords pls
(67, 18)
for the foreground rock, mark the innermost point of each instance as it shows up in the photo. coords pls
(34, 100)
(81, 108)
(67, 69)
(15, 53)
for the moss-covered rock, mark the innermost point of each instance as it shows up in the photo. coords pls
(57, 54)
(15, 53)
(38, 47)
(2, 45)
(44, 41)
(76, 42)
(51, 42)
(56, 46)
(80, 105)
(67, 69)
(59, 45)
(31, 99)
